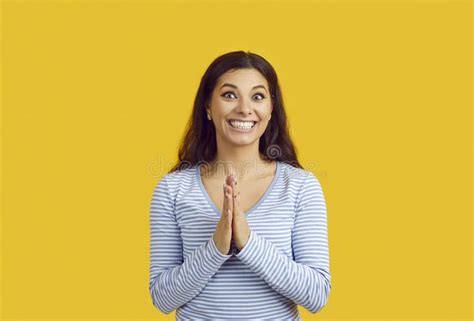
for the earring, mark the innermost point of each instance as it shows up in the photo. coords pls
(208, 116)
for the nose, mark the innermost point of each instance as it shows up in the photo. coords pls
(244, 107)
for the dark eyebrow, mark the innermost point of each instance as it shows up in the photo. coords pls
(234, 86)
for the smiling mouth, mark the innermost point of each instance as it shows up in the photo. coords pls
(241, 124)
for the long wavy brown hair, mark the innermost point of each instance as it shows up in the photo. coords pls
(199, 142)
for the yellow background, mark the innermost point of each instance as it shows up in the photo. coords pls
(95, 97)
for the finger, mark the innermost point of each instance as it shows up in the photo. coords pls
(228, 179)
(230, 207)
(234, 185)
(235, 195)
(230, 201)
(225, 206)
(237, 208)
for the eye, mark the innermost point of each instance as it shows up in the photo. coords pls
(232, 93)
(227, 92)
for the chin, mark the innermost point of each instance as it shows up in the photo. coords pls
(243, 140)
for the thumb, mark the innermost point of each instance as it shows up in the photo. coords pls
(236, 198)
(230, 217)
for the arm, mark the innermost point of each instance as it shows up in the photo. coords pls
(173, 282)
(307, 279)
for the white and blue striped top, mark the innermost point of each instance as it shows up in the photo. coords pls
(284, 263)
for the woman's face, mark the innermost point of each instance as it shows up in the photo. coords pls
(240, 106)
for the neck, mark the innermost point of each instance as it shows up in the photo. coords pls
(243, 161)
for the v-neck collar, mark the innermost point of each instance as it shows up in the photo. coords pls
(254, 207)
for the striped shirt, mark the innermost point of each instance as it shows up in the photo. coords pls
(284, 263)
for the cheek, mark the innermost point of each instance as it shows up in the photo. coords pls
(263, 125)
(220, 110)
(266, 112)
(265, 117)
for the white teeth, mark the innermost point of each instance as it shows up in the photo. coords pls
(242, 124)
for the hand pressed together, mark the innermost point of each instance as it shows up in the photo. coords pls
(233, 223)
(240, 227)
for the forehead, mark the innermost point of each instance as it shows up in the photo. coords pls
(242, 78)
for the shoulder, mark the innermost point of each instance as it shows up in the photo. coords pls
(299, 181)
(171, 182)
(295, 175)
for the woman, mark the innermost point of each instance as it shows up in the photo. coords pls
(238, 227)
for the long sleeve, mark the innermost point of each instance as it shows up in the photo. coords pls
(174, 281)
(306, 280)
